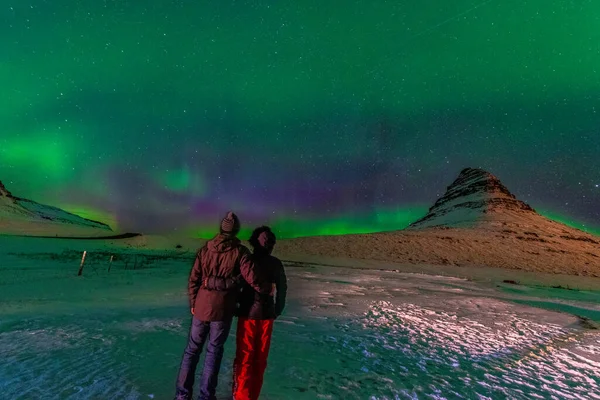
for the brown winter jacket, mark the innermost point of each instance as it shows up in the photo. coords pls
(225, 258)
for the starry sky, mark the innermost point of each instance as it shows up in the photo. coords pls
(312, 116)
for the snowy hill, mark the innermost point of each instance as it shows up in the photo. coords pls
(477, 222)
(20, 216)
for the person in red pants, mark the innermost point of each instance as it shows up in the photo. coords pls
(256, 314)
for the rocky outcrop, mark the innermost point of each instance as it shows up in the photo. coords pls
(474, 194)
(4, 191)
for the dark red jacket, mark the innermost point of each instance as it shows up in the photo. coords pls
(254, 305)
(224, 259)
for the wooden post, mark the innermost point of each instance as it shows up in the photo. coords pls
(110, 263)
(82, 262)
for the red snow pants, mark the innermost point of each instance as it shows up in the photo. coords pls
(253, 342)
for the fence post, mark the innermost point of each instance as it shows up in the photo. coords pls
(82, 262)
(110, 263)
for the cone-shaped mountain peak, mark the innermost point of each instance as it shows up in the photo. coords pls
(474, 196)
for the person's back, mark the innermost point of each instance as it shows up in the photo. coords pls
(221, 259)
(253, 305)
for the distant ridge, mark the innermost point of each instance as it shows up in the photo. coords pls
(19, 216)
(120, 236)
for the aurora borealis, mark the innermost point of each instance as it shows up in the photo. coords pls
(312, 116)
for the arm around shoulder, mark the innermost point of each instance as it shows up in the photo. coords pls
(250, 274)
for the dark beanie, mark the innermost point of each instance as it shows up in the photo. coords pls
(230, 224)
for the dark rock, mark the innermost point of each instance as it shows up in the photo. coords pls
(4, 191)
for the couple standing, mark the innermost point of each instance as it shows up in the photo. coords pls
(228, 280)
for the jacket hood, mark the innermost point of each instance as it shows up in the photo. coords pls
(223, 244)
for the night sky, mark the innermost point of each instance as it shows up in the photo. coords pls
(311, 116)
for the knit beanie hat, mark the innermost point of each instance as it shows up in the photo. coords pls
(230, 224)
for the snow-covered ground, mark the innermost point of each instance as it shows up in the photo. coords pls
(348, 333)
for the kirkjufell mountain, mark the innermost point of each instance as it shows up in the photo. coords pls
(20, 216)
(475, 197)
(478, 222)
(478, 200)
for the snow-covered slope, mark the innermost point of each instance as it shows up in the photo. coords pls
(477, 222)
(25, 217)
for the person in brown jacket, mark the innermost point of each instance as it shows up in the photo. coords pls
(225, 262)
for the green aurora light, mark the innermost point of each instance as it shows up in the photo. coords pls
(310, 116)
